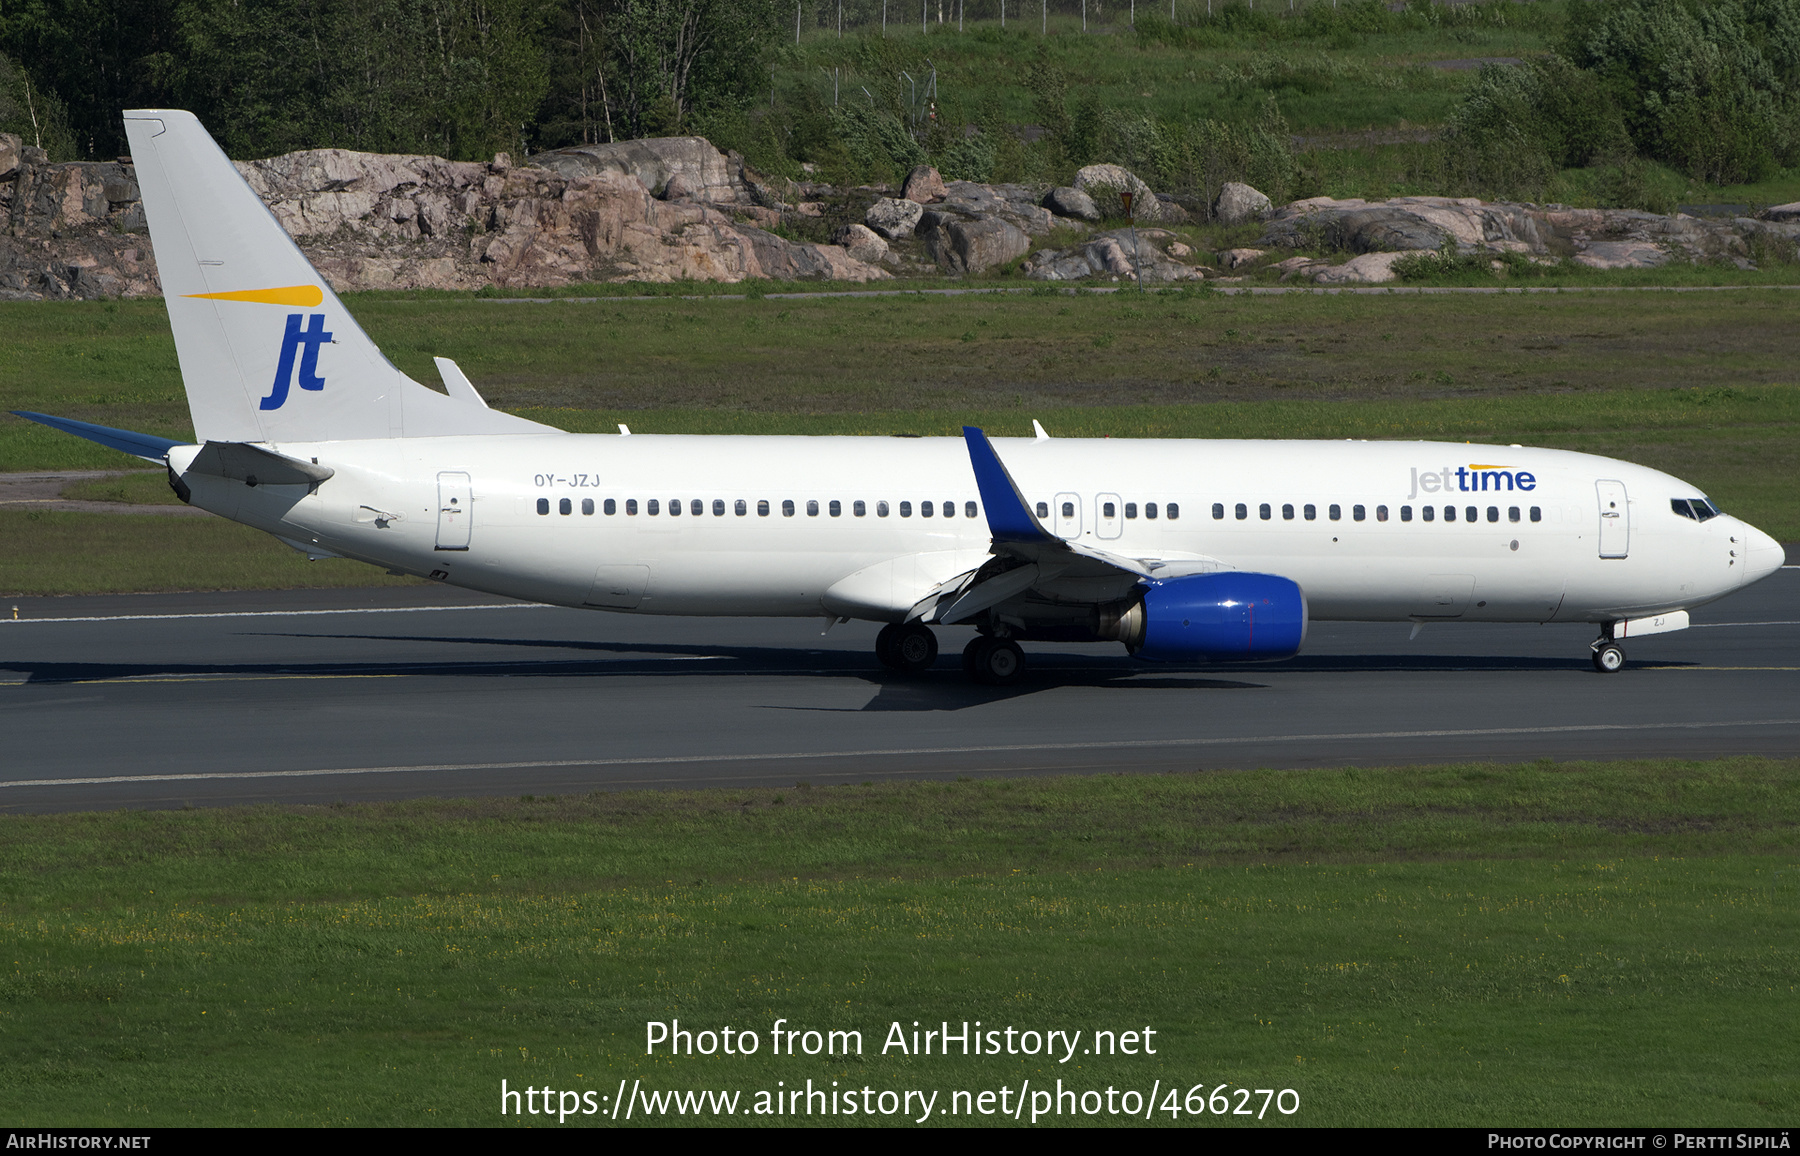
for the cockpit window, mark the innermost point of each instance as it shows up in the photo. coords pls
(1698, 509)
(1680, 506)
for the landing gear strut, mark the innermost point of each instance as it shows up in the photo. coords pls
(993, 661)
(910, 647)
(1609, 656)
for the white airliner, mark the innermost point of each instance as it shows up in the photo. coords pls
(1181, 550)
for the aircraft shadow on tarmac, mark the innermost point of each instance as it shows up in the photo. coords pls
(943, 689)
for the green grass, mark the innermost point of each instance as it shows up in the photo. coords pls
(58, 552)
(1581, 944)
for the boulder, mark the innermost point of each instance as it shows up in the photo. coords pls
(697, 170)
(962, 245)
(1104, 183)
(1238, 202)
(1178, 250)
(1780, 213)
(1071, 202)
(894, 218)
(11, 154)
(862, 243)
(1368, 269)
(1232, 258)
(923, 185)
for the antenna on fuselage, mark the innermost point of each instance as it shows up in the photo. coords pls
(1038, 429)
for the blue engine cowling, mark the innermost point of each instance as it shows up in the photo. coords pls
(1219, 617)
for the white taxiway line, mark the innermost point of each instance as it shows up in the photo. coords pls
(796, 756)
(284, 613)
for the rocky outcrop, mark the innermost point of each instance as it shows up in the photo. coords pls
(662, 210)
(1116, 256)
(862, 243)
(1600, 238)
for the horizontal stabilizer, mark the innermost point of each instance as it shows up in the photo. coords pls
(138, 445)
(255, 466)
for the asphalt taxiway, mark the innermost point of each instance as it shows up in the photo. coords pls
(324, 696)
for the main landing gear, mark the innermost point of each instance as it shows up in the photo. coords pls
(912, 647)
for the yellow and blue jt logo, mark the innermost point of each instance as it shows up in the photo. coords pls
(291, 342)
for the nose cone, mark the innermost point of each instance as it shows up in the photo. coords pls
(1763, 555)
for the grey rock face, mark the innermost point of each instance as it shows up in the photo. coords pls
(1238, 202)
(11, 149)
(1105, 183)
(1114, 255)
(696, 170)
(1232, 258)
(1782, 213)
(962, 245)
(1067, 201)
(923, 185)
(894, 218)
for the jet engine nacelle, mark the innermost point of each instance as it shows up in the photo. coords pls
(1220, 617)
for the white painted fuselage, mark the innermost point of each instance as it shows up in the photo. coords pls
(834, 526)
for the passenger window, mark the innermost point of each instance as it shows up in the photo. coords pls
(1381, 513)
(1537, 513)
(1150, 510)
(836, 509)
(1356, 513)
(906, 509)
(651, 508)
(1068, 509)
(1512, 513)
(697, 507)
(1264, 512)
(881, 509)
(718, 507)
(1218, 511)
(925, 510)
(543, 505)
(1130, 510)
(610, 507)
(787, 507)
(949, 509)
(859, 508)
(587, 505)
(1043, 509)
(812, 507)
(1310, 511)
(1449, 513)
(1406, 513)
(1287, 511)
(1174, 512)
(740, 507)
(1471, 514)
(1242, 511)
(631, 507)
(1493, 513)
(1335, 513)
(674, 508)
(971, 510)
(1108, 510)
(1428, 512)
(762, 507)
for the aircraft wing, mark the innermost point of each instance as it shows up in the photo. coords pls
(1027, 557)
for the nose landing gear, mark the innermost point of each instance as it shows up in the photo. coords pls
(1609, 656)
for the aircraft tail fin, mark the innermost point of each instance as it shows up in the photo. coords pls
(268, 352)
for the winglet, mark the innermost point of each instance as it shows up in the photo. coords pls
(1009, 517)
(139, 445)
